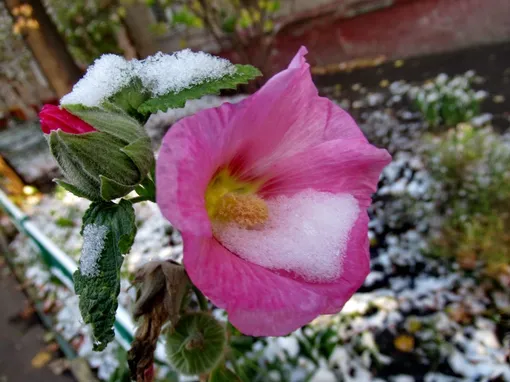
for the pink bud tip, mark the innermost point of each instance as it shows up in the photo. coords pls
(53, 118)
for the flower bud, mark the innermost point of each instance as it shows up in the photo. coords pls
(196, 344)
(103, 153)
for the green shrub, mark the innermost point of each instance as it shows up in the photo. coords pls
(472, 170)
(445, 101)
(485, 238)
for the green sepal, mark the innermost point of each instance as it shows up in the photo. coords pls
(111, 120)
(110, 189)
(100, 154)
(147, 189)
(98, 293)
(78, 179)
(196, 344)
(140, 152)
(223, 374)
(72, 189)
(100, 166)
(243, 74)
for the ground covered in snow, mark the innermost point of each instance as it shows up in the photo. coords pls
(422, 314)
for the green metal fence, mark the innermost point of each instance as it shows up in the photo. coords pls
(62, 266)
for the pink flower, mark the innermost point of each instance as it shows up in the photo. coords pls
(53, 118)
(270, 195)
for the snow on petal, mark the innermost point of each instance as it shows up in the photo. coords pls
(307, 234)
(259, 301)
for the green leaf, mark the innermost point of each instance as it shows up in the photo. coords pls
(243, 74)
(195, 345)
(64, 222)
(223, 374)
(121, 374)
(229, 24)
(99, 291)
(273, 6)
(184, 16)
(130, 98)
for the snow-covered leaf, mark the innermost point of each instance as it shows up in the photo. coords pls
(172, 100)
(108, 232)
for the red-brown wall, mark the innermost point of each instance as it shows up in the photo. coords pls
(406, 28)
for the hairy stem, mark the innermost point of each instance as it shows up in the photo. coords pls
(202, 301)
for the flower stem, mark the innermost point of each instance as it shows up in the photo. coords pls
(202, 301)
(150, 186)
(186, 299)
(146, 191)
(139, 199)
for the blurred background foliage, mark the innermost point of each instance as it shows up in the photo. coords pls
(238, 25)
(13, 52)
(94, 27)
(90, 27)
(472, 168)
(448, 101)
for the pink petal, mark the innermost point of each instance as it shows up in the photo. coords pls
(355, 268)
(340, 124)
(337, 166)
(190, 154)
(284, 117)
(261, 302)
(299, 59)
(258, 301)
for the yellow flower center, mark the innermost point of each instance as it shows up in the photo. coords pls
(228, 199)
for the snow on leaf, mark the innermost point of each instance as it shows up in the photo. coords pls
(97, 281)
(163, 81)
(93, 245)
(164, 73)
(172, 100)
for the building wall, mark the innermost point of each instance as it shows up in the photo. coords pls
(406, 28)
(335, 31)
(200, 39)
